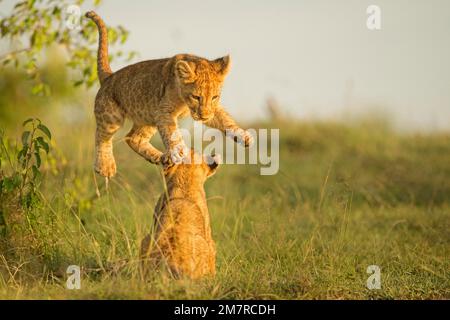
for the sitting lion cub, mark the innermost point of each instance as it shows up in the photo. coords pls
(182, 233)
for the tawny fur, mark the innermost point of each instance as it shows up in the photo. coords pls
(154, 94)
(182, 233)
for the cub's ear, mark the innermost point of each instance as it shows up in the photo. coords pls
(222, 65)
(184, 71)
(213, 162)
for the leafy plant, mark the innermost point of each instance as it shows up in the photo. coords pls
(34, 25)
(20, 178)
(25, 174)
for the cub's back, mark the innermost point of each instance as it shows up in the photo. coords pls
(138, 84)
(184, 238)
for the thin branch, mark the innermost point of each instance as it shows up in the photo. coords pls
(12, 53)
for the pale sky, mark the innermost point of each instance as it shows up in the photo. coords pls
(316, 57)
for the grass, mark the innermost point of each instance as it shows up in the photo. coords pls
(346, 197)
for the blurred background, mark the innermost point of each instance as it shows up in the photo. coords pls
(316, 58)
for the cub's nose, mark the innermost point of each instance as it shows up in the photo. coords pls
(203, 114)
(206, 117)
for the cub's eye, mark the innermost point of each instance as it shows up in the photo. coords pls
(215, 97)
(195, 97)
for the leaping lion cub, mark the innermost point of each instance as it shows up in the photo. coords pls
(182, 234)
(154, 94)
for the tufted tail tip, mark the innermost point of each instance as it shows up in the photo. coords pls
(90, 14)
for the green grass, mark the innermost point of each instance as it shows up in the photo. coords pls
(345, 197)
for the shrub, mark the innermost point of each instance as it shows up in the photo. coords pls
(20, 199)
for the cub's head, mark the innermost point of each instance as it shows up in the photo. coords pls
(200, 83)
(194, 169)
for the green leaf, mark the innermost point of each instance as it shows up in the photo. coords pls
(36, 172)
(37, 156)
(17, 180)
(31, 3)
(22, 153)
(43, 144)
(25, 136)
(45, 130)
(56, 10)
(37, 88)
(20, 4)
(8, 184)
(11, 183)
(27, 121)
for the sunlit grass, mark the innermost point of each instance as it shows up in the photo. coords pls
(345, 197)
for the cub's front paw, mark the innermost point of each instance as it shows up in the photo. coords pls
(105, 165)
(156, 158)
(166, 160)
(241, 136)
(176, 155)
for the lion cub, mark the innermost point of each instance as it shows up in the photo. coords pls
(182, 234)
(153, 94)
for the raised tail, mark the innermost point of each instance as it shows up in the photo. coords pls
(103, 68)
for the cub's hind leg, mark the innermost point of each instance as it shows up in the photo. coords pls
(139, 140)
(109, 119)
